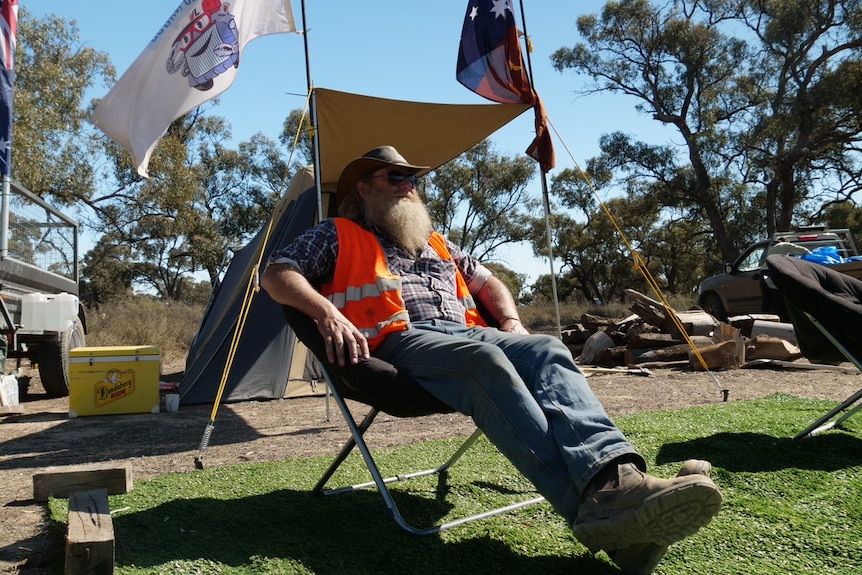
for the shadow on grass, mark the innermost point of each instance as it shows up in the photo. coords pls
(282, 530)
(73, 441)
(758, 452)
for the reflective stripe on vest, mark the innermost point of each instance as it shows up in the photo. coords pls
(368, 294)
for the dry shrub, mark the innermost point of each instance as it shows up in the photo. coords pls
(146, 321)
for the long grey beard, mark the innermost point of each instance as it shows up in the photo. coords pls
(406, 222)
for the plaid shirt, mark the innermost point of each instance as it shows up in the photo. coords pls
(427, 283)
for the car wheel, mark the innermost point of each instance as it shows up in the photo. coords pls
(712, 305)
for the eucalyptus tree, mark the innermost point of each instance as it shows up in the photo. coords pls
(204, 200)
(681, 70)
(803, 140)
(762, 94)
(481, 200)
(52, 146)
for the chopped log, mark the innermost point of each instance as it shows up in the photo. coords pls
(649, 314)
(641, 328)
(612, 356)
(90, 536)
(652, 341)
(664, 364)
(767, 347)
(649, 310)
(696, 322)
(754, 317)
(594, 323)
(625, 324)
(726, 332)
(722, 355)
(676, 352)
(114, 477)
(637, 296)
(576, 349)
(777, 329)
(575, 334)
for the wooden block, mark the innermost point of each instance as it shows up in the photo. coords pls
(12, 410)
(114, 477)
(90, 537)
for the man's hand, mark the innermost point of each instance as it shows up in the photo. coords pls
(513, 325)
(344, 342)
(286, 285)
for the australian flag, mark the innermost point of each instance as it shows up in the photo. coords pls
(489, 57)
(491, 64)
(8, 40)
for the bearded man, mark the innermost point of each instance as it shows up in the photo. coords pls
(378, 280)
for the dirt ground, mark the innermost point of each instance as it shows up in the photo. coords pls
(155, 444)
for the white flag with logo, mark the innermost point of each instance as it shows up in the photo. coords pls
(192, 59)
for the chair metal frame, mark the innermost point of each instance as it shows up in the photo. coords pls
(808, 300)
(824, 423)
(357, 441)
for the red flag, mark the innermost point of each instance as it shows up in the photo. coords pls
(8, 40)
(491, 64)
(542, 148)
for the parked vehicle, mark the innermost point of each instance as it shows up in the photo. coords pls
(738, 291)
(42, 318)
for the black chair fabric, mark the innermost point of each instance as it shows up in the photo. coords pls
(372, 381)
(834, 299)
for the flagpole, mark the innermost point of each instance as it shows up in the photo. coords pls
(315, 143)
(545, 196)
(4, 219)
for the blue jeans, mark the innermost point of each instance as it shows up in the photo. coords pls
(525, 393)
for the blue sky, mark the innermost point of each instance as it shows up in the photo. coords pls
(388, 48)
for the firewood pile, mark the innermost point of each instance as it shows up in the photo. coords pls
(654, 337)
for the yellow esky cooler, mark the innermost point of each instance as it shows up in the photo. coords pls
(114, 380)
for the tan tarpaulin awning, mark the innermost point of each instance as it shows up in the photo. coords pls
(426, 134)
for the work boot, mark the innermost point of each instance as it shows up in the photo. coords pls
(637, 509)
(642, 559)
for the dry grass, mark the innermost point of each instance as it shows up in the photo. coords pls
(145, 321)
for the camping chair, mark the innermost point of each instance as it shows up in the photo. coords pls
(378, 384)
(825, 307)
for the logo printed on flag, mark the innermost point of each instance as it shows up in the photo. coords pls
(8, 42)
(206, 47)
(193, 58)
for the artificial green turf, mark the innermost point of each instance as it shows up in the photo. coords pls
(790, 507)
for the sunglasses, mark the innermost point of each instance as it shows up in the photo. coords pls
(395, 178)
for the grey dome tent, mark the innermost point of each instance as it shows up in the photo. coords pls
(269, 362)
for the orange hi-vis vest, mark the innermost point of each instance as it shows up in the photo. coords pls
(368, 294)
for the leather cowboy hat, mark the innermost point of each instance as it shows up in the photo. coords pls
(371, 161)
